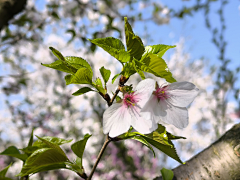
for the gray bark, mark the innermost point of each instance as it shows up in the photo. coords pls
(220, 161)
(9, 8)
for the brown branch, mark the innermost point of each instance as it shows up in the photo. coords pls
(108, 140)
(114, 96)
(122, 81)
(221, 160)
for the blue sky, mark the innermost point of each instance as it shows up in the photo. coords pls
(198, 37)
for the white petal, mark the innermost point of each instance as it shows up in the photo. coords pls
(139, 123)
(144, 90)
(176, 116)
(182, 93)
(150, 111)
(116, 120)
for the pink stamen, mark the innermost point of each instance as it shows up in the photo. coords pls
(161, 93)
(129, 99)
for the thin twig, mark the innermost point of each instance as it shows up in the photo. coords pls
(114, 96)
(108, 140)
(122, 81)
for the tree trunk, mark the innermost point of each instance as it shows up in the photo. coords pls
(220, 161)
(9, 8)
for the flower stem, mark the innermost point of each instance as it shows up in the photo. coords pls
(114, 96)
(108, 140)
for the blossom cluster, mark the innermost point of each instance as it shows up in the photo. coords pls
(148, 105)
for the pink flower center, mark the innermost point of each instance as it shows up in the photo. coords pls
(130, 99)
(161, 93)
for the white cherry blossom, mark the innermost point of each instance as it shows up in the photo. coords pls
(168, 103)
(119, 117)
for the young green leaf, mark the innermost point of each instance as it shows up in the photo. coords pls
(160, 135)
(98, 82)
(31, 139)
(59, 65)
(115, 77)
(70, 65)
(155, 65)
(138, 70)
(54, 140)
(57, 53)
(42, 160)
(134, 44)
(82, 76)
(105, 74)
(5, 178)
(173, 137)
(77, 167)
(168, 150)
(40, 144)
(79, 146)
(64, 62)
(159, 49)
(82, 91)
(98, 85)
(14, 152)
(52, 145)
(118, 98)
(29, 150)
(167, 174)
(144, 142)
(114, 47)
(4, 171)
(78, 62)
(128, 69)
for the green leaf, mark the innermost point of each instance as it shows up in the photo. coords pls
(14, 152)
(59, 65)
(138, 70)
(168, 150)
(151, 63)
(114, 47)
(167, 174)
(31, 139)
(98, 82)
(68, 79)
(78, 62)
(159, 49)
(82, 91)
(160, 135)
(82, 76)
(54, 140)
(5, 178)
(105, 74)
(57, 53)
(98, 85)
(115, 77)
(143, 141)
(134, 44)
(70, 64)
(29, 150)
(44, 159)
(67, 61)
(76, 167)
(4, 171)
(173, 137)
(129, 69)
(50, 144)
(118, 98)
(79, 146)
